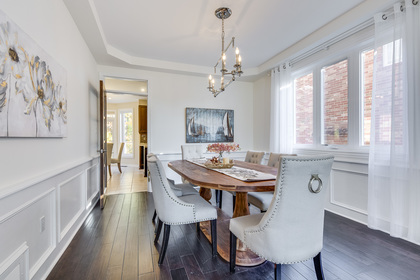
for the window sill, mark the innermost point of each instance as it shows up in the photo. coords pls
(360, 156)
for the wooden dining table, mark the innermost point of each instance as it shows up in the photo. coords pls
(209, 179)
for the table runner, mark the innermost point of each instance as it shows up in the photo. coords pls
(240, 173)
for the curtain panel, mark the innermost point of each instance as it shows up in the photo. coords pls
(282, 110)
(394, 154)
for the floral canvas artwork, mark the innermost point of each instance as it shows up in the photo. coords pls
(33, 97)
(209, 125)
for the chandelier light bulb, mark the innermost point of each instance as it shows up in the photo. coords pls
(237, 50)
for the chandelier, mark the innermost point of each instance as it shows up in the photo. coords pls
(224, 13)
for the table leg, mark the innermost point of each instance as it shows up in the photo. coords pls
(241, 205)
(205, 193)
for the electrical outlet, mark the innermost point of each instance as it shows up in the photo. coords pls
(42, 223)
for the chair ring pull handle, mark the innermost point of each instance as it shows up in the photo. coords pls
(315, 177)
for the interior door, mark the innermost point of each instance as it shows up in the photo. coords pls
(103, 143)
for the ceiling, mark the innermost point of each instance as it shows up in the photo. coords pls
(185, 35)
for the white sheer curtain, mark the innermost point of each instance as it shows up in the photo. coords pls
(394, 156)
(282, 110)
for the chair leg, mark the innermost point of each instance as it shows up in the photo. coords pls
(154, 217)
(318, 267)
(220, 198)
(197, 226)
(216, 193)
(109, 170)
(119, 167)
(166, 232)
(277, 271)
(159, 229)
(233, 202)
(214, 237)
(232, 259)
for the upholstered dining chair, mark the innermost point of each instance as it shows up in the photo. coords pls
(252, 157)
(118, 159)
(109, 147)
(292, 229)
(195, 151)
(173, 210)
(262, 200)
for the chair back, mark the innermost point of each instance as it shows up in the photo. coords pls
(293, 225)
(192, 151)
(120, 151)
(254, 157)
(109, 147)
(274, 159)
(170, 209)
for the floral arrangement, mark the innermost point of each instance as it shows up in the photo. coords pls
(222, 147)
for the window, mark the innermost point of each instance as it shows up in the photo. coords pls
(335, 103)
(304, 104)
(126, 132)
(333, 95)
(366, 86)
(110, 126)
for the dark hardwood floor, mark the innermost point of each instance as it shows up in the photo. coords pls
(117, 243)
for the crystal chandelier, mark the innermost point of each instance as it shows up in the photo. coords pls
(224, 13)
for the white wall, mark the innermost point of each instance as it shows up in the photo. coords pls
(170, 94)
(50, 25)
(262, 109)
(50, 179)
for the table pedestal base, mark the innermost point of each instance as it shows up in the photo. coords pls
(243, 257)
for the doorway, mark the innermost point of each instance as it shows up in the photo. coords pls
(125, 129)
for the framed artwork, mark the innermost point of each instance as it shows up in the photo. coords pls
(33, 94)
(209, 125)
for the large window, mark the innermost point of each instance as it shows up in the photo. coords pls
(304, 109)
(335, 103)
(126, 131)
(333, 96)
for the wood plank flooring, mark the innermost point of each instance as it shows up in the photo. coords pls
(117, 243)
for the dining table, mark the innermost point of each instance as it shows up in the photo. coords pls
(207, 179)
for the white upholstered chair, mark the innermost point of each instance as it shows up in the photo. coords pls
(173, 210)
(252, 157)
(292, 228)
(195, 151)
(118, 159)
(109, 147)
(262, 200)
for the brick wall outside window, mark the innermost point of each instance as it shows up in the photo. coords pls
(335, 110)
(304, 109)
(367, 68)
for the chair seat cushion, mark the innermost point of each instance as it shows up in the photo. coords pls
(238, 225)
(262, 200)
(204, 211)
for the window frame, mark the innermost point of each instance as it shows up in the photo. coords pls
(314, 64)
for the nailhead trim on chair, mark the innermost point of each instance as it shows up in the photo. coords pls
(282, 174)
(183, 204)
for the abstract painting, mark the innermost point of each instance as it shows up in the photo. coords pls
(33, 97)
(209, 125)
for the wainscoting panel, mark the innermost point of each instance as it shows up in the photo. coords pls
(71, 202)
(16, 267)
(44, 214)
(349, 190)
(92, 183)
